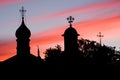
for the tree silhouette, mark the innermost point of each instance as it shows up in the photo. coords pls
(52, 55)
(96, 54)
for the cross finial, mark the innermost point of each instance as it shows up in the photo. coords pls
(22, 11)
(100, 36)
(70, 20)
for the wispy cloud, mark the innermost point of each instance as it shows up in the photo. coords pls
(87, 29)
(82, 27)
(88, 8)
(8, 2)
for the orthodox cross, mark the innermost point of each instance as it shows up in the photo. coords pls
(22, 11)
(100, 36)
(70, 20)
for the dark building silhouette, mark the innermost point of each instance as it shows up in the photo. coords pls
(70, 38)
(23, 34)
(23, 48)
(71, 53)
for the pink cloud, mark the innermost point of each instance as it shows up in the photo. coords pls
(7, 49)
(75, 10)
(87, 29)
(7, 2)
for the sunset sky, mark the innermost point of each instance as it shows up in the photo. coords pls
(47, 21)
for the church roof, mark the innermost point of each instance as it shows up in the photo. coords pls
(29, 59)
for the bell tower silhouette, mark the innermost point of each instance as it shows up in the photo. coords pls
(23, 55)
(23, 34)
(70, 38)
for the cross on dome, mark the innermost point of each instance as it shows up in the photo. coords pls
(22, 11)
(70, 20)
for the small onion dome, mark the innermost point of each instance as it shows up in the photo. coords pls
(23, 31)
(70, 31)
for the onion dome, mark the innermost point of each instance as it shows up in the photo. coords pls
(23, 31)
(70, 31)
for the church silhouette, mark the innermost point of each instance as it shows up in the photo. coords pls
(23, 34)
(23, 55)
(91, 53)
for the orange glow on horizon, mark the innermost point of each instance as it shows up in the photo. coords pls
(54, 35)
